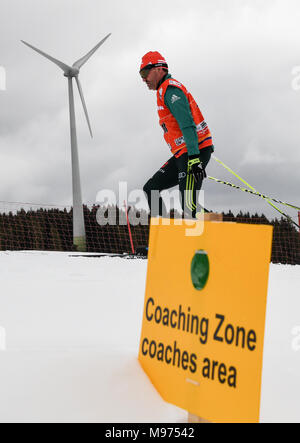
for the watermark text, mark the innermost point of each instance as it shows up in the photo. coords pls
(135, 208)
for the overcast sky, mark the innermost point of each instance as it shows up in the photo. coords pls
(235, 56)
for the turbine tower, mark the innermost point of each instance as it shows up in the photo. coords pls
(79, 237)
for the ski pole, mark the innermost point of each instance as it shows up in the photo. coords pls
(258, 194)
(253, 189)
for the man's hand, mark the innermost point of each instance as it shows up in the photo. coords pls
(195, 168)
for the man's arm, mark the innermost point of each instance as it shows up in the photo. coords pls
(178, 104)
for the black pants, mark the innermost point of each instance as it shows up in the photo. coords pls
(173, 173)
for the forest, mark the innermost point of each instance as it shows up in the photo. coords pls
(51, 230)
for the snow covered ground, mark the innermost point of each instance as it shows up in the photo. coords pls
(72, 329)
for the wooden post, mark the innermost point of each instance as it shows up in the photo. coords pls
(195, 419)
(213, 216)
(217, 218)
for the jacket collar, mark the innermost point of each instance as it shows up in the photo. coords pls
(166, 77)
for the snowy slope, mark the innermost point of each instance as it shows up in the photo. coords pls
(72, 335)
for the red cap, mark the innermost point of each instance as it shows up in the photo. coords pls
(153, 59)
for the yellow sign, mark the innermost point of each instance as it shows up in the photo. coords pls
(204, 318)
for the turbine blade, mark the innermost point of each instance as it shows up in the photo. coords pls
(84, 105)
(62, 65)
(84, 59)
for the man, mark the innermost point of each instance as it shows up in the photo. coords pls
(185, 132)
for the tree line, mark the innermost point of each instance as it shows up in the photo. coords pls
(51, 230)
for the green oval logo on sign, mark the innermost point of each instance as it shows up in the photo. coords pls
(200, 269)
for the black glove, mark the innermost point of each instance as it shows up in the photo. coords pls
(195, 167)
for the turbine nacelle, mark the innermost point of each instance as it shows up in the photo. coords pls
(72, 72)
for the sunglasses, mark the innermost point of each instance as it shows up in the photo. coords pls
(145, 72)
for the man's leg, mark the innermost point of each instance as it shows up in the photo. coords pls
(189, 189)
(165, 178)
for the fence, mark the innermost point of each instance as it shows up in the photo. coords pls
(50, 229)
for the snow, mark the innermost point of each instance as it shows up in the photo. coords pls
(72, 329)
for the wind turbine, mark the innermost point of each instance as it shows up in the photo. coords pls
(79, 236)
